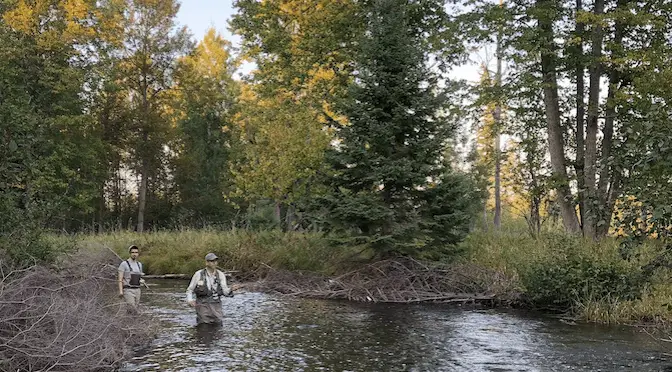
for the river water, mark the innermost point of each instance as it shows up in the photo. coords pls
(273, 333)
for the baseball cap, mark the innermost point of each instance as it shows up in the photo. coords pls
(210, 257)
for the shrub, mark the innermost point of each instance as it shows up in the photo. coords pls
(562, 283)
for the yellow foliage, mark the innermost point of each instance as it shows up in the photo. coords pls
(55, 23)
(284, 143)
(23, 17)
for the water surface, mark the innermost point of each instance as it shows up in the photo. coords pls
(274, 333)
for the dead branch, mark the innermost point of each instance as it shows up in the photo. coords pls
(396, 281)
(66, 318)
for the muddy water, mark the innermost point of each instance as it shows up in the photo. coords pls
(270, 333)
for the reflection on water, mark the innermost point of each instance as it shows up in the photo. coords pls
(263, 332)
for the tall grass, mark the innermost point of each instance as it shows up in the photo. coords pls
(183, 252)
(568, 273)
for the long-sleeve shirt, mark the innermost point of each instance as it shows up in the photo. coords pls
(210, 281)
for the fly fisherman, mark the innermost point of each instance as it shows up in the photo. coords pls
(205, 292)
(130, 278)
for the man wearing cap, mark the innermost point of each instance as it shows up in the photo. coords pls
(130, 278)
(205, 292)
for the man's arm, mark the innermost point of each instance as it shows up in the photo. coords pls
(222, 280)
(120, 279)
(190, 289)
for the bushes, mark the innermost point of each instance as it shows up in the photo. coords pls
(563, 283)
(567, 273)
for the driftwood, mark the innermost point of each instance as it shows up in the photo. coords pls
(167, 276)
(180, 276)
(66, 318)
(396, 281)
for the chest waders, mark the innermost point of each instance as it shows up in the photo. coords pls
(204, 293)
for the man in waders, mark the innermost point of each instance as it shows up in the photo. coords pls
(205, 292)
(130, 278)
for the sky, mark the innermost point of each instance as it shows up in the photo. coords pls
(200, 15)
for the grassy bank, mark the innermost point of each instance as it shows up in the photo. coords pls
(589, 280)
(553, 271)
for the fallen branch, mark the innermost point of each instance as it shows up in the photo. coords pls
(66, 319)
(181, 276)
(396, 281)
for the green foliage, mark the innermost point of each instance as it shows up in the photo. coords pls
(564, 283)
(21, 242)
(205, 107)
(183, 252)
(387, 185)
(288, 109)
(448, 215)
(562, 272)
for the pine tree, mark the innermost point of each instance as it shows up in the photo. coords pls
(388, 166)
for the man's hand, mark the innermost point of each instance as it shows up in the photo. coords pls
(121, 294)
(192, 303)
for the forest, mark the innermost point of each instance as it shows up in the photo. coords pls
(353, 129)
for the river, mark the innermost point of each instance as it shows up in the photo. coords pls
(263, 332)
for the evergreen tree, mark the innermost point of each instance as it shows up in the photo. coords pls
(388, 168)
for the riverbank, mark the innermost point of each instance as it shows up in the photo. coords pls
(552, 272)
(590, 281)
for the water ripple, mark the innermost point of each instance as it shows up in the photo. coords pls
(263, 332)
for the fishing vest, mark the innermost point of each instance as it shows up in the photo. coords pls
(134, 282)
(204, 292)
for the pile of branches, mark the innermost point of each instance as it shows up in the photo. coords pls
(398, 281)
(66, 318)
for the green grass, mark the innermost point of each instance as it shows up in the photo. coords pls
(568, 273)
(183, 252)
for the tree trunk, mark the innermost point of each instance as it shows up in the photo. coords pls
(101, 210)
(278, 214)
(535, 215)
(612, 196)
(498, 175)
(535, 199)
(580, 113)
(552, 108)
(142, 196)
(607, 177)
(591, 202)
(497, 116)
(118, 209)
(289, 218)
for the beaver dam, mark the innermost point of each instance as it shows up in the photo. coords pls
(395, 281)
